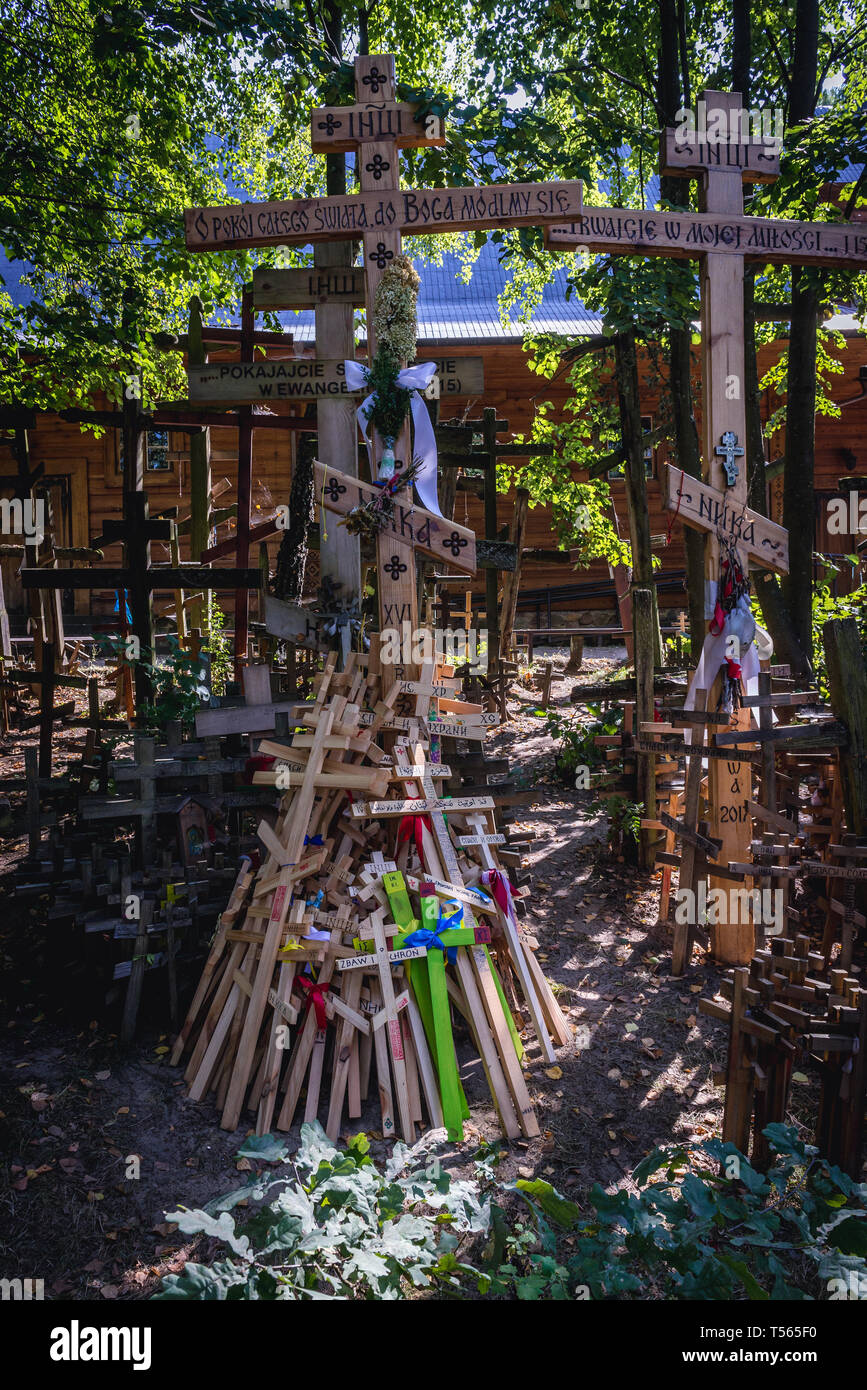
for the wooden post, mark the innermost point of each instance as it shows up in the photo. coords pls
(643, 622)
(245, 488)
(340, 553)
(492, 616)
(847, 682)
(683, 934)
(724, 409)
(512, 578)
(378, 171)
(200, 461)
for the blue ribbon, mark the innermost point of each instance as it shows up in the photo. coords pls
(424, 936)
(312, 840)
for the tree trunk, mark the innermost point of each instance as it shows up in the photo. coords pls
(687, 454)
(790, 601)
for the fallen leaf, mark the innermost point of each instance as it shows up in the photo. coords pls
(554, 1073)
(109, 1291)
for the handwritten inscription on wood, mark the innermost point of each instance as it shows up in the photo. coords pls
(406, 210)
(758, 162)
(704, 507)
(303, 289)
(683, 234)
(444, 540)
(308, 378)
(335, 128)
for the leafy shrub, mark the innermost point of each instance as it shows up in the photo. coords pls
(698, 1233)
(827, 606)
(336, 1227)
(575, 738)
(700, 1227)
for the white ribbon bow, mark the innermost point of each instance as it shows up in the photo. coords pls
(413, 379)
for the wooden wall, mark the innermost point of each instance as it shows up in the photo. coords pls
(93, 490)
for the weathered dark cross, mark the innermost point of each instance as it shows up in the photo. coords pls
(48, 679)
(138, 578)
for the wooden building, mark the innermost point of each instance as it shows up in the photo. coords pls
(83, 472)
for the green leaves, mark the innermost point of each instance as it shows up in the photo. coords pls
(552, 1203)
(264, 1147)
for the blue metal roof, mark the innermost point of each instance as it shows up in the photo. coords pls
(450, 310)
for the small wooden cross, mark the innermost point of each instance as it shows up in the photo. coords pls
(48, 681)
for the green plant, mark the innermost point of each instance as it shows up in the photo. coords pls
(176, 682)
(217, 646)
(335, 1227)
(704, 1226)
(576, 746)
(624, 818)
(827, 606)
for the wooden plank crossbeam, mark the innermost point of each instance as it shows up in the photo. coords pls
(445, 541)
(705, 507)
(313, 378)
(304, 289)
(157, 577)
(757, 161)
(619, 231)
(342, 128)
(409, 211)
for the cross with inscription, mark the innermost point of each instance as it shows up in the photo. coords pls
(722, 239)
(376, 127)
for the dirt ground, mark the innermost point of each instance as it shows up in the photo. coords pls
(97, 1141)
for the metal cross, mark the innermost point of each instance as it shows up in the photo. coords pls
(728, 450)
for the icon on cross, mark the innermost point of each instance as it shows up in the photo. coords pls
(381, 256)
(728, 450)
(454, 543)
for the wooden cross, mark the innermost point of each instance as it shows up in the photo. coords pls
(138, 577)
(722, 238)
(376, 128)
(48, 681)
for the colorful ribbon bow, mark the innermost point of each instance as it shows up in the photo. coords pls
(424, 936)
(502, 890)
(414, 379)
(316, 993)
(409, 827)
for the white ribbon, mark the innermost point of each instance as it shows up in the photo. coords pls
(413, 379)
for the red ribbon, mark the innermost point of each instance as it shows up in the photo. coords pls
(409, 828)
(501, 888)
(316, 993)
(734, 669)
(258, 763)
(719, 619)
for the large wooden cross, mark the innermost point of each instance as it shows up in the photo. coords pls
(376, 128)
(722, 239)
